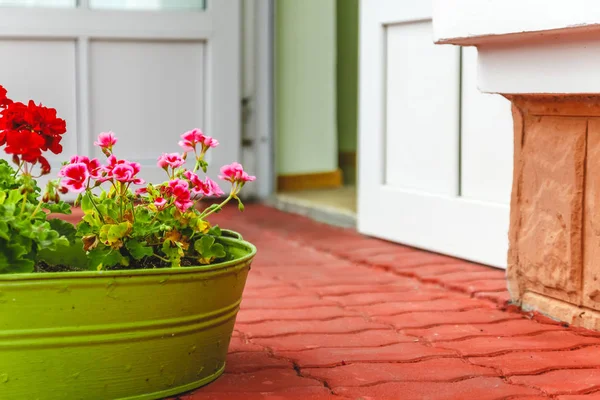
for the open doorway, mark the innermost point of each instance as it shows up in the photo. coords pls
(316, 100)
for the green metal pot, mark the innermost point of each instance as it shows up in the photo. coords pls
(140, 334)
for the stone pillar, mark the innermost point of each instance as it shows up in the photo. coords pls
(554, 255)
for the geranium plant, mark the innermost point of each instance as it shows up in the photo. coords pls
(127, 222)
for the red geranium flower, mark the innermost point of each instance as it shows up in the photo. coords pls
(28, 130)
(4, 101)
(27, 144)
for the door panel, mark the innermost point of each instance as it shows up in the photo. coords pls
(413, 187)
(421, 112)
(150, 108)
(40, 80)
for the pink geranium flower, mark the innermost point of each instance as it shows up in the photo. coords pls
(106, 140)
(173, 160)
(196, 182)
(209, 142)
(122, 171)
(190, 139)
(234, 172)
(94, 167)
(74, 176)
(213, 187)
(180, 189)
(160, 203)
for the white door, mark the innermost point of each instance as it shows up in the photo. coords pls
(146, 69)
(435, 155)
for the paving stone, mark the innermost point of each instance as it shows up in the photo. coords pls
(487, 285)
(481, 388)
(253, 361)
(366, 251)
(401, 352)
(278, 292)
(430, 319)
(347, 278)
(362, 299)
(401, 285)
(565, 381)
(405, 261)
(268, 380)
(259, 282)
(297, 393)
(507, 328)
(501, 298)
(361, 374)
(308, 277)
(370, 338)
(482, 346)
(292, 302)
(534, 362)
(588, 396)
(470, 276)
(297, 314)
(389, 308)
(337, 325)
(239, 344)
(434, 270)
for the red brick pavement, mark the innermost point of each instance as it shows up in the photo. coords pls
(330, 314)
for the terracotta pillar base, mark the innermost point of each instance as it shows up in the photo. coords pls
(554, 255)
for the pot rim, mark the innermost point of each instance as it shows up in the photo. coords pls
(140, 272)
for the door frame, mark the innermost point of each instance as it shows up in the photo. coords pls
(258, 97)
(217, 26)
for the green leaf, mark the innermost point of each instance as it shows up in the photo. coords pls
(63, 228)
(138, 250)
(15, 256)
(14, 197)
(103, 257)
(7, 176)
(142, 215)
(215, 231)
(111, 234)
(174, 253)
(208, 250)
(4, 231)
(72, 255)
(58, 208)
(86, 204)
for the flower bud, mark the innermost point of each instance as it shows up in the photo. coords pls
(63, 189)
(15, 159)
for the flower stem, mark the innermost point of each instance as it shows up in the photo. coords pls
(162, 258)
(36, 210)
(23, 204)
(19, 169)
(215, 209)
(89, 193)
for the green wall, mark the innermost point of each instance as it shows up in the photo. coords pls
(347, 74)
(305, 86)
(347, 86)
